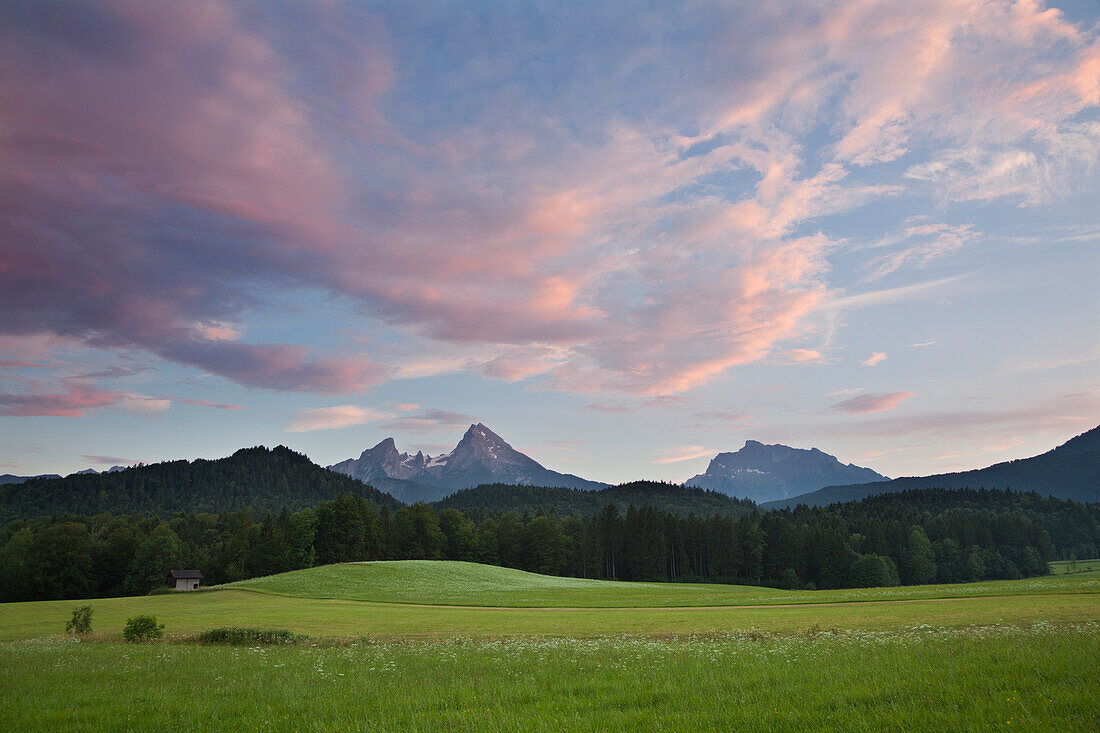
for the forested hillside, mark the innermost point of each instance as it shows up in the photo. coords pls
(265, 480)
(911, 538)
(672, 498)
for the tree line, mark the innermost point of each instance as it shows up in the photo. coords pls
(912, 537)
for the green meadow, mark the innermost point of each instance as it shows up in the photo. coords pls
(1077, 567)
(470, 584)
(455, 646)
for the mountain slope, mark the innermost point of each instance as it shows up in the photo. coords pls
(1070, 471)
(266, 480)
(672, 498)
(481, 457)
(769, 472)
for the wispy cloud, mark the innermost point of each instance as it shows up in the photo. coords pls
(77, 401)
(331, 418)
(873, 359)
(1020, 366)
(620, 409)
(803, 356)
(108, 460)
(207, 403)
(427, 421)
(865, 403)
(682, 453)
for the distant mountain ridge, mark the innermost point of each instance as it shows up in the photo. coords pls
(769, 472)
(481, 457)
(1070, 471)
(10, 478)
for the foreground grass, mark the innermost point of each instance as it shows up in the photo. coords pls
(1034, 677)
(434, 582)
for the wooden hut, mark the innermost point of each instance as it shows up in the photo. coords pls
(184, 579)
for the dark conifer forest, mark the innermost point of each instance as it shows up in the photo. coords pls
(915, 537)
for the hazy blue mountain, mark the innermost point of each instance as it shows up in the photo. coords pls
(768, 472)
(9, 478)
(1070, 471)
(481, 457)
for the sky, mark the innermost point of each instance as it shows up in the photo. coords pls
(626, 237)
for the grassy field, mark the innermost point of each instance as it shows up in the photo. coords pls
(1062, 567)
(452, 646)
(489, 602)
(1037, 677)
(469, 584)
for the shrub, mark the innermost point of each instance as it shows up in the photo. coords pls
(81, 622)
(159, 591)
(142, 628)
(245, 637)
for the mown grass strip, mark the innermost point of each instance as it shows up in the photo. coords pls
(196, 612)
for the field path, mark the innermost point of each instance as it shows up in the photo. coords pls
(721, 607)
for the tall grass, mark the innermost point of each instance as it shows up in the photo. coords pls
(1034, 677)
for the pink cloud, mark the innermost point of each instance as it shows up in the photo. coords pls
(331, 418)
(865, 403)
(428, 421)
(876, 358)
(207, 403)
(618, 409)
(682, 453)
(75, 401)
(802, 356)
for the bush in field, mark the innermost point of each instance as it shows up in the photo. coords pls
(873, 571)
(81, 622)
(142, 628)
(245, 637)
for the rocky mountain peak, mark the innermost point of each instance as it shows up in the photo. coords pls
(760, 472)
(481, 457)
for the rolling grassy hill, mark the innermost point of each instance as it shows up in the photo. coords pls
(447, 583)
(438, 582)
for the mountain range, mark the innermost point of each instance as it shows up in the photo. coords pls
(769, 472)
(10, 478)
(481, 457)
(1070, 471)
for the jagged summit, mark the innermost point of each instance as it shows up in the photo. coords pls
(764, 472)
(481, 457)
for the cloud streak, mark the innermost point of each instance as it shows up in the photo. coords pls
(332, 418)
(866, 403)
(682, 453)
